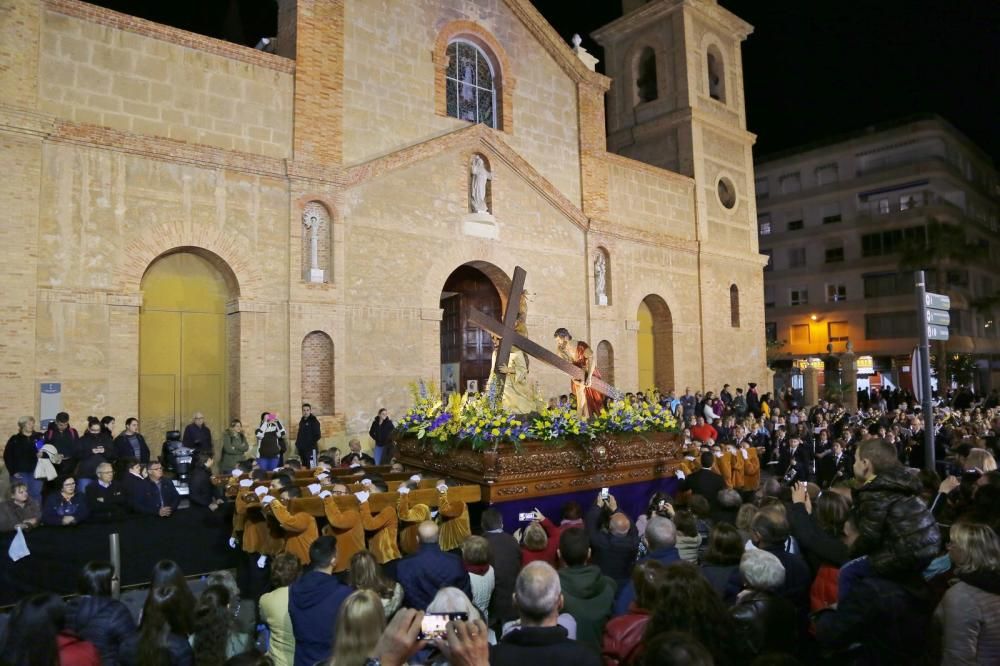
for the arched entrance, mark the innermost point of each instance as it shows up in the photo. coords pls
(655, 345)
(182, 343)
(466, 349)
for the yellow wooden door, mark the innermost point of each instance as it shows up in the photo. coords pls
(182, 345)
(646, 346)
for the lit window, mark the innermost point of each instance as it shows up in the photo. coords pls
(800, 334)
(836, 293)
(837, 331)
(471, 87)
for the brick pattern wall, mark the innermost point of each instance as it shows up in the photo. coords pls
(317, 372)
(111, 71)
(650, 199)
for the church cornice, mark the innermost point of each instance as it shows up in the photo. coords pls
(641, 18)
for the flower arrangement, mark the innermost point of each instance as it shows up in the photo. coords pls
(479, 421)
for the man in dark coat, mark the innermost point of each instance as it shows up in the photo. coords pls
(613, 549)
(201, 492)
(705, 482)
(131, 444)
(381, 433)
(154, 495)
(505, 558)
(429, 569)
(66, 440)
(661, 543)
(753, 400)
(197, 435)
(769, 531)
(106, 498)
(308, 436)
(539, 639)
(314, 601)
(837, 466)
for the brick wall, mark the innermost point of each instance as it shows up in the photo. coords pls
(650, 199)
(317, 373)
(104, 68)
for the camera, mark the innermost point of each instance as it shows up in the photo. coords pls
(435, 625)
(789, 477)
(526, 517)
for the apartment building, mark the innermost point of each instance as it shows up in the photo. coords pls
(836, 219)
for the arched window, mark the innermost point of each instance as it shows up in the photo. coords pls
(734, 306)
(645, 76)
(606, 361)
(471, 84)
(716, 75)
(317, 372)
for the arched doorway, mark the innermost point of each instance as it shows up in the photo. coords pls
(317, 373)
(182, 343)
(655, 345)
(466, 349)
(606, 361)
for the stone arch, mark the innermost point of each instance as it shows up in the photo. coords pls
(315, 209)
(715, 72)
(602, 252)
(504, 79)
(734, 306)
(655, 344)
(606, 361)
(645, 84)
(318, 379)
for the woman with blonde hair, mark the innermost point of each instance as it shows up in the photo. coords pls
(360, 623)
(969, 613)
(366, 574)
(981, 460)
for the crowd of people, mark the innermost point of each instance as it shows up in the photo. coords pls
(789, 535)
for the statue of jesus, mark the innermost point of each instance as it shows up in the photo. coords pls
(588, 400)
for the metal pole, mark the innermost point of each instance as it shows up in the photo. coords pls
(925, 371)
(116, 563)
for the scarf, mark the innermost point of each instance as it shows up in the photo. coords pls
(478, 569)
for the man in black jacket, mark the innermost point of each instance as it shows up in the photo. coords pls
(539, 639)
(152, 496)
(705, 482)
(201, 492)
(615, 547)
(505, 558)
(381, 433)
(105, 498)
(308, 436)
(429, 569)
(131, 444)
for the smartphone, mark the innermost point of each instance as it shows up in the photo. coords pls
(604, 493)
(435, 625)
(526, 517)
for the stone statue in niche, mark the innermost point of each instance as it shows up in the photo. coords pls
(601, 279)
(477, 185)
(312, 222)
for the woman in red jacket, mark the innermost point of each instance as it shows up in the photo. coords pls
(622, 644)
(540, 541)
(36, 635)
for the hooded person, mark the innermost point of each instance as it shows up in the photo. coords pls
(314, 601)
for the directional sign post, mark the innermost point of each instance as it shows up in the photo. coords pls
(933, 320)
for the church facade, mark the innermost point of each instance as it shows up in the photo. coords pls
(192, 225)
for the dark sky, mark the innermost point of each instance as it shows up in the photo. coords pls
(813, 68)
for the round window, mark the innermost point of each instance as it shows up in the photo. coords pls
(727, 193)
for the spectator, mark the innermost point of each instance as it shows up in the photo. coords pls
(769, 531)
(242, 613)
(744, 517)
(98, 618)
(106, 500)
(381, 434)
(660, 504)
(540, 640)
(689, 604)
(168, 572)
(313, 600)
(661, 546)
(622, 642)
(613, 549)
(65, 438)
(21, 510)
(66, 507)
(969, 613)
(728, 502)
(705, 482)
(482, 579)
(675, 648)
(702, 431)
(154, 495)
(94, 448)
(234, 446)
(897, 532)
(365, 574)
(721, 564)
(213, 627)
(308, 435)
(130, 443)
(572, 516)
(21, 455)
(285, 570)
(163, 636)
(540, 542)
(429, 569)
(271, 441)
(356, 456)
(360, 623)
(36, 634)
(688, 539)
(505, 558)
(588, 595)
(201, 491)
(766, 623)
(197, 435)
(453, 600)
(980, 460)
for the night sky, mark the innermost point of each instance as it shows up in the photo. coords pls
(813, 69)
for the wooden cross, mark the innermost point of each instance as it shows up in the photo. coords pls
(511, 338)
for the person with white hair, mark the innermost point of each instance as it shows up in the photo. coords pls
(766, 621)
(540, 639)
(429, 569)
(454, 600)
